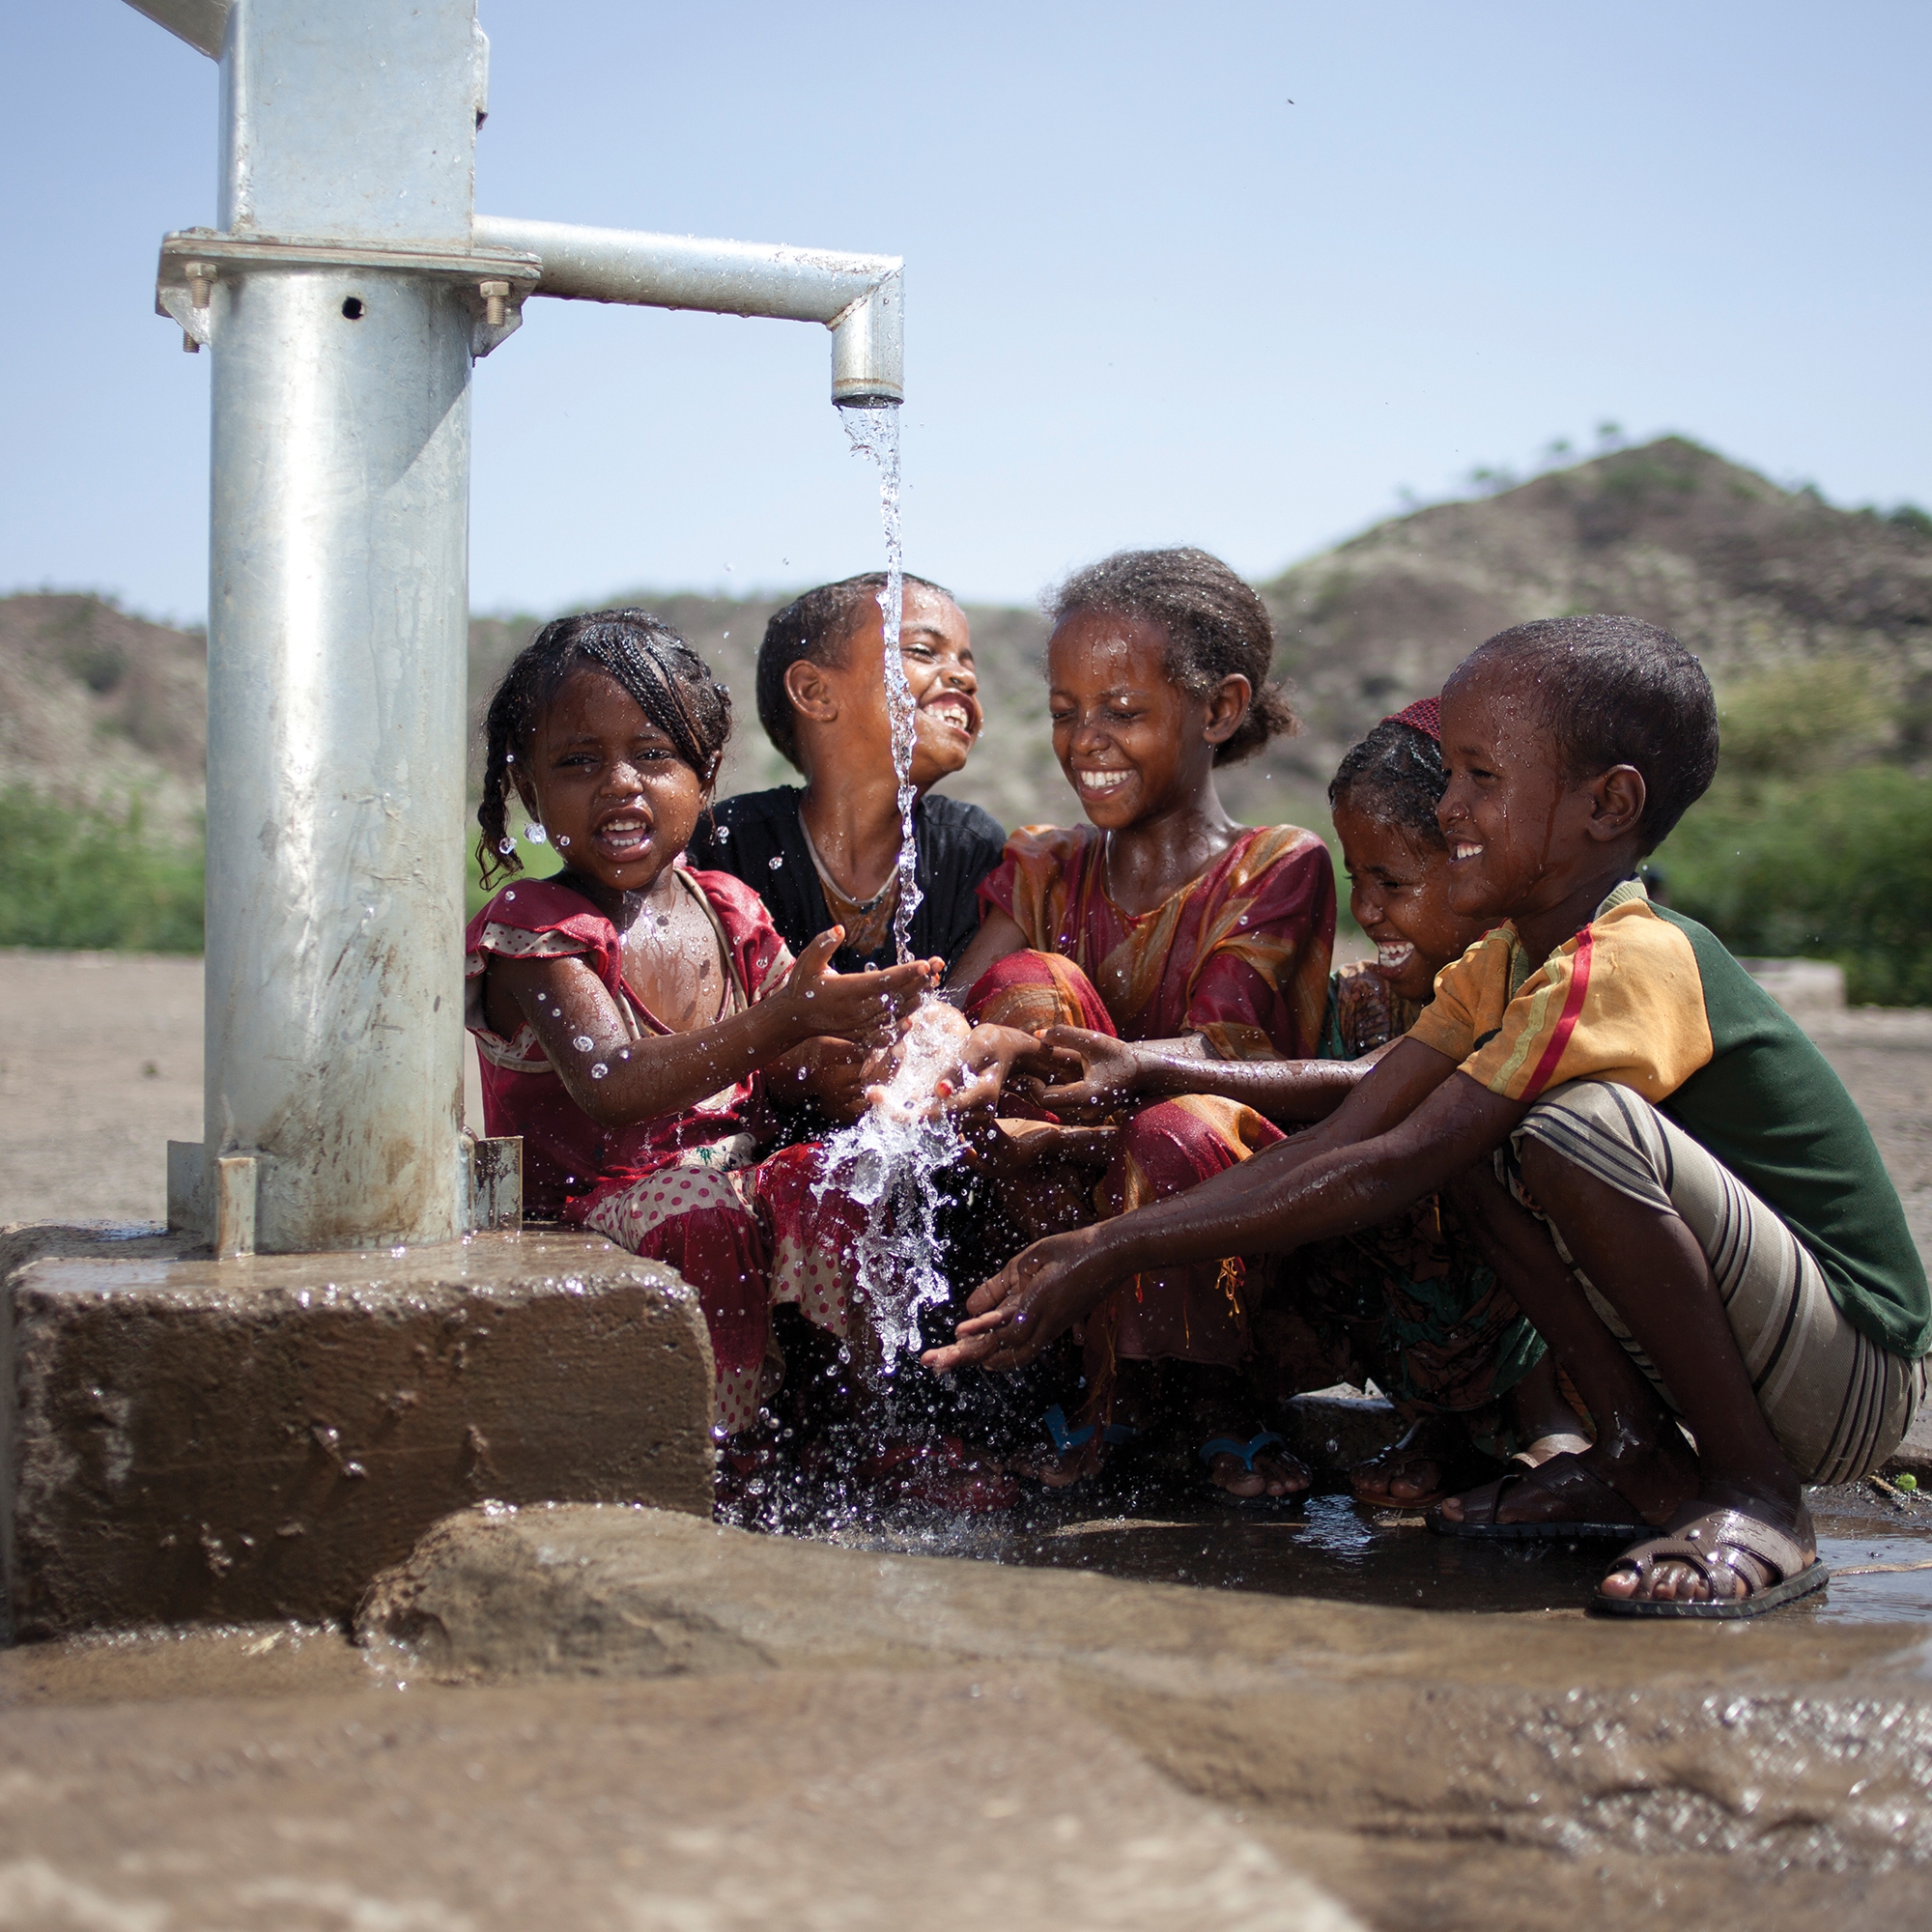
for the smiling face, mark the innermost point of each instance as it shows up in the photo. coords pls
(1131, 742)
(936, 649)
(1399, 893)
(617, 800)
(1519, 832)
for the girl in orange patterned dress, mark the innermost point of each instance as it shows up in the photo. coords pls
(1162, 918)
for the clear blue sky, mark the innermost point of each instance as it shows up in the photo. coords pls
(1148, 299)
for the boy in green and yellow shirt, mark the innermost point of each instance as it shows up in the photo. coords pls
(1669, 1177)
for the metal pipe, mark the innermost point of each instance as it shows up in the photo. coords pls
(859, 297)
(338, 610)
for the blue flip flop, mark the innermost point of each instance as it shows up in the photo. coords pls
(1226, 1445)
(1111, 1434)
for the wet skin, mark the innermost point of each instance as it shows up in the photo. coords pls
(1531, 843)
(620, 805)
(1139, 753)
(1399, 895)
(850, 805)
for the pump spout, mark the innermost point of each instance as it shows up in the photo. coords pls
(859, 297)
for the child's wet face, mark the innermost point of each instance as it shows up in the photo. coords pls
(936, 649)
(617, 800)
(1517, 827)
(1399, 893)
(1131, 742)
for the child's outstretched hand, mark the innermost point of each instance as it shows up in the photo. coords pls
(868, 1009)
(1106, 1071)
(990, 1057)
(1039, 1295)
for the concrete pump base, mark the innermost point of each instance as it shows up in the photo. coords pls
(186, 1440)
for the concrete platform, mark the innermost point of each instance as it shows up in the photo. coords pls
(186, 1440)
(1763, 1742)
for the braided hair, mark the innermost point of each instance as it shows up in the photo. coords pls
(1395, 775)
(671, 684)
(1216, 628)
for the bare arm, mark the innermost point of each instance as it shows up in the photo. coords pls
(1113, 1071)
(1400, 1135)
(618, 1080)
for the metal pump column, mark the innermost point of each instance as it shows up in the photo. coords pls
(338, 620)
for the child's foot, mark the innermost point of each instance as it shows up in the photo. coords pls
(1737, 1551)
(1433, 1457)
(1069, 1455)
(1245, 1458)
(1597, 1488)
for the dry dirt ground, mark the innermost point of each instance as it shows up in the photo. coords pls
(100, 1065)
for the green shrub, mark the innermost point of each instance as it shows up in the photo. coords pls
(94, 879)
(1834, 867)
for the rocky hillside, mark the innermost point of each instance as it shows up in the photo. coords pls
(1751, 577)
(99, 705)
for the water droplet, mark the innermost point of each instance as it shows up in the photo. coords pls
(778, 862)
(598, 1071)
(583, 1042)
(536, 835)
(562, 839)
(809, 994)
(506, 846)
(509, 895)
(723, 835)
(509, 757)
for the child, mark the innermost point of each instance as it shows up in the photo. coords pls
(1714, 1236)
(1160, 919)
(1411, 1304)
(831, 851)
(633, 1016)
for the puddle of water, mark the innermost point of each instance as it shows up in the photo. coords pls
(1332, 1548)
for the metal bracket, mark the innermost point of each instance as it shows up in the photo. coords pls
(492, 282)
(494, 1170)
(215, 1201)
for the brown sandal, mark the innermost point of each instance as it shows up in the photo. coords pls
(1591, 1507)
(1708, 1545)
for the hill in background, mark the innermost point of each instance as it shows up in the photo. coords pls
(1814, 622)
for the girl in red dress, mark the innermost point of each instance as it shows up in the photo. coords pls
(637, 1020)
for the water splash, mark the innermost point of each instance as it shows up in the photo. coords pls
(886, 1162)
(875, 432)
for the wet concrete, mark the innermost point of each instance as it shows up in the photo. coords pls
(184, 1439)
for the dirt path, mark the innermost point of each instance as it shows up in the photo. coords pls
(100, 1068)
(100, 1065)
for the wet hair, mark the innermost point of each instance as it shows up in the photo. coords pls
(1616, 691)
(671, 684)
(813, 629)
(1395, 775)
(1216, 628)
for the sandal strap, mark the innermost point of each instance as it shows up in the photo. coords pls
(1065, 1440)
(1707, 1543)
(1226, 1445)
(1560, 1477)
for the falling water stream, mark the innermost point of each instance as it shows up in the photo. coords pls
(886, 1161)
(875, 432)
